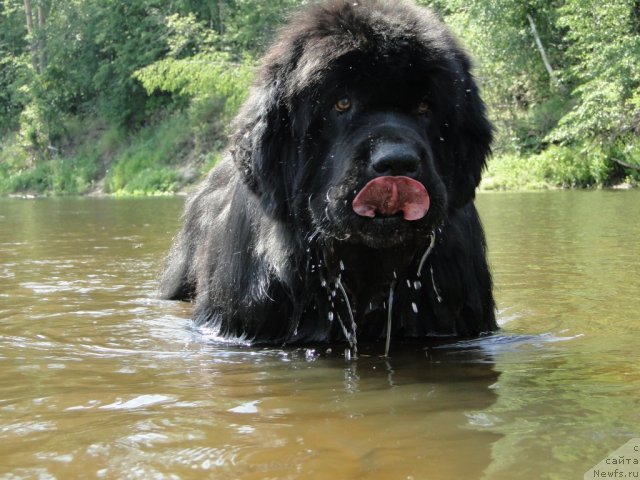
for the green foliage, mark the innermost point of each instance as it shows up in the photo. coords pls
(559, 166)
(205, 78)
(150, 163)
(239, 25)
(564, 166)
(209, 161)
(12, 98)
(532, 125)
(510, 69)
(127, 35)
(74, 170)
(142, 92)
(251, 24)
(13, 64)
(604, 48)
(73, 175)
(629, 151)
(195, 72)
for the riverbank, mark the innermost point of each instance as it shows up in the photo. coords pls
(161, 158)
(561, 167)
(177, 150)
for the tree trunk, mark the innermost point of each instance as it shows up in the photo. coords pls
(625, 164)
(221, 12)
(42, 53)
(32, 37)
(543, 54)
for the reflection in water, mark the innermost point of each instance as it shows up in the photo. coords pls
(98, 379)
(566, 265)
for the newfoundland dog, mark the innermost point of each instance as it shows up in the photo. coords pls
(342, 210)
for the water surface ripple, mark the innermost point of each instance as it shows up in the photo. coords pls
(100, 380)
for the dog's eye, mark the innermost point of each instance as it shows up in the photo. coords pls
(423, 107)
(343, 104)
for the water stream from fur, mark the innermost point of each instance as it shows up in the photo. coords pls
(350, 330)
(387, 342)
(417, 286)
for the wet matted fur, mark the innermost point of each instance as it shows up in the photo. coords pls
(271, 249)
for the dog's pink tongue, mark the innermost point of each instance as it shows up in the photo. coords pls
(387, 196)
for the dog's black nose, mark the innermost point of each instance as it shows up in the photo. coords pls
(395, 159)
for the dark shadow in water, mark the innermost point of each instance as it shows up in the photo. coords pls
(441, 395)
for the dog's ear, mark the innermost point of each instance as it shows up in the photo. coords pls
(261, 144)
(469, 140)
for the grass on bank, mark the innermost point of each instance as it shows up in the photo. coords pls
(159, 159)
(178, 142)
(557, 167)
(55, 175)
(565, 166)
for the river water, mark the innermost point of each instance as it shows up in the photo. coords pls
(100, 380)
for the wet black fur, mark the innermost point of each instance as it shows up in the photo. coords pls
(271, 249)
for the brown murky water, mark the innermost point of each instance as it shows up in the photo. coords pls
(100, 380)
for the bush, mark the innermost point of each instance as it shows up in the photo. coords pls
(149, 164)
(531, 128)
(559, 166)
(58, 176)
(152, 181)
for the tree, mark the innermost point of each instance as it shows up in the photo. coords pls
(604, 50)
(522, 96)
(13, 64)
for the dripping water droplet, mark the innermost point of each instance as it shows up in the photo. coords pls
(435, 288)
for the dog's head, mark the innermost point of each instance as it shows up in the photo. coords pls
(364, 124)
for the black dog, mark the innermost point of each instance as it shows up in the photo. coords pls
(343, 208)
